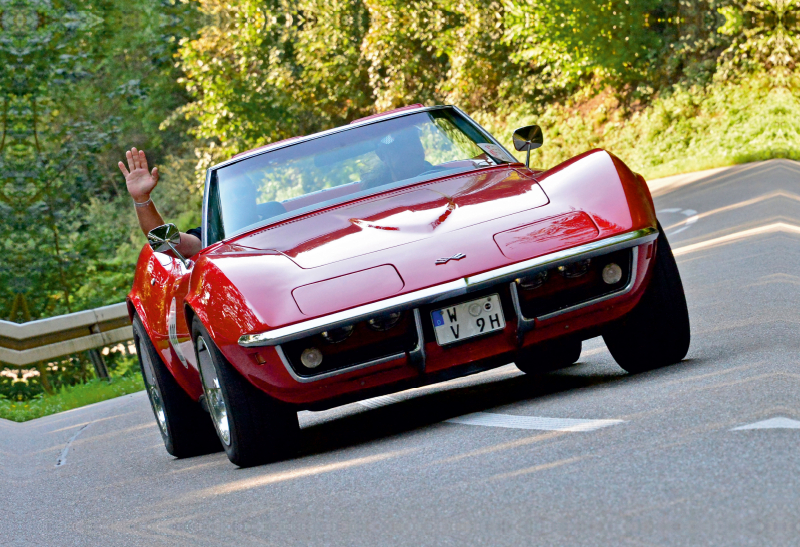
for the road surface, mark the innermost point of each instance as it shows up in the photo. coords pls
(700, 453)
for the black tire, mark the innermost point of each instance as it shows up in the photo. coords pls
(184, 425)
(548, 356)
(255, 428)
(656, 332)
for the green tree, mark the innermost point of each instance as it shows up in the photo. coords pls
(263, 71)
(74, 91)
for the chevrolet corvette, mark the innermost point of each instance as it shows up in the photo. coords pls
(403, 249)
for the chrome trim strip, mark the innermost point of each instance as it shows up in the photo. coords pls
(624, 290)
(203, 221)
(588, 250)
(481, 128)
(416, 356)
(308, 379)
(315, 326)
(448, 290)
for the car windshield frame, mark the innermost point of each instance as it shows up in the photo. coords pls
(212, 171)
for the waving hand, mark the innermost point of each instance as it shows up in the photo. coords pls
(139, 180)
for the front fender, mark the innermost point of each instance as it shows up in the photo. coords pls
(616, 198)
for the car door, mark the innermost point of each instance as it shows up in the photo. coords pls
(169, 279)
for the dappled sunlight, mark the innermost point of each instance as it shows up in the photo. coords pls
(282, 476)
(72, 426)
(774, 279)
(777, 227)
(760, 199)
(502, 446)
(219, 462)
(662, 186)
(536, 468)
(98, 420)
(115, 433)
(715, 374)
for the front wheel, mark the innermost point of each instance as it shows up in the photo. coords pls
(656, 332)
(252, 427)
(184, 427)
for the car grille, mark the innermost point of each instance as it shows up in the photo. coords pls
(558, 291)
(541, 295)
(363, 345)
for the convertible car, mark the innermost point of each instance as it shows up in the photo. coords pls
(406, 248)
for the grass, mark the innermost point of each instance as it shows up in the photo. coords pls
(70, 397)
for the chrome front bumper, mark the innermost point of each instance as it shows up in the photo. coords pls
(463, 286)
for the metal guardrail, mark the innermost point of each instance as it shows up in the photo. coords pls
(24, 344)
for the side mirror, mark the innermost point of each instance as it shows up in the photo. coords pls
(164, 238)
(528, 138)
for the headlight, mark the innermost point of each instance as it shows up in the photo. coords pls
(384, 322)
(576, 269)
(340, 334)
(532, 281)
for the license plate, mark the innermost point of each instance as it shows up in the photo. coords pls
(469, 319)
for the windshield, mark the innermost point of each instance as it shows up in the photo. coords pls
(345, 165)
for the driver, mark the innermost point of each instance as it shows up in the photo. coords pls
(140, 183)
(402, 157)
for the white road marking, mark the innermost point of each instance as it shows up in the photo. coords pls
(691, 213)
(63, 458)
(773, 423)
(489, 419)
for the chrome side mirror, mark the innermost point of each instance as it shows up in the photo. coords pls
(164, 238)
(528, 138)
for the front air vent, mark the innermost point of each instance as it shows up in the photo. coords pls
(572, 284)
(352, 345)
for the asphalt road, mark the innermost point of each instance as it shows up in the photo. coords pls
(669, 468)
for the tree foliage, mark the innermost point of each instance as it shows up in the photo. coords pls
(261, 72)
(73, 89)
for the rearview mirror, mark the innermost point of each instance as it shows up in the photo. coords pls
(164, 238)
(528, 138)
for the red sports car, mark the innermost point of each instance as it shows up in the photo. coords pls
(403, 249)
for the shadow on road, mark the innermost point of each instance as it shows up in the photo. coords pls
(431, 408)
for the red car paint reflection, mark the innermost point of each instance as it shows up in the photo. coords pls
(497, 216)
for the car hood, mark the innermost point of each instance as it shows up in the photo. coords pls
(398, 217)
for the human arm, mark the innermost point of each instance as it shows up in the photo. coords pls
(140, 183)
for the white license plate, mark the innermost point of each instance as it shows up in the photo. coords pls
(469, 319)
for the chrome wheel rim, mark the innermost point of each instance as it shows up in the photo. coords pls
(153, 393)
(213, 392)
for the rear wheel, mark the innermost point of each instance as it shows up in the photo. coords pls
(184, 426)
(547, 356)
(656, 332)
(252, 427)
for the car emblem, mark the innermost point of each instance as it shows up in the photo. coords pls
(457, 256)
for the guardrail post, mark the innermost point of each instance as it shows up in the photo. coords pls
(99, 363)
(41, 366)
